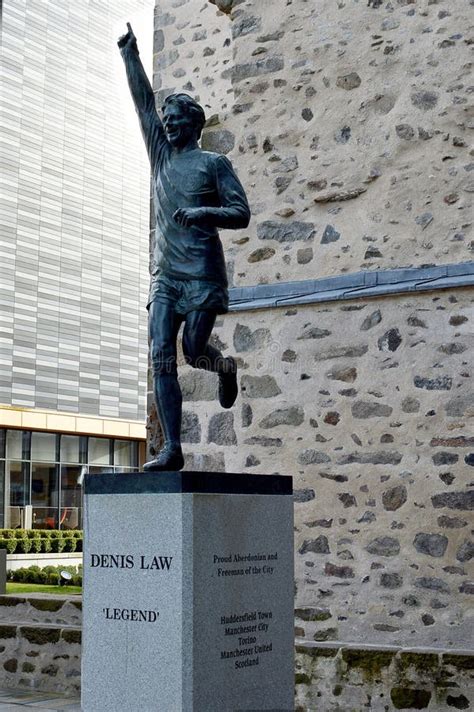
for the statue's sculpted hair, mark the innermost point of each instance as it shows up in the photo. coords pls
(190, 107)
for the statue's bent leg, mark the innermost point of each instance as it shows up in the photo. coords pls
(200, 354)
(163, 329)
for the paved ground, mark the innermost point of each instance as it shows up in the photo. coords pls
(20, 700)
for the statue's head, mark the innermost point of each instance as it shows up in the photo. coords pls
(183, 119)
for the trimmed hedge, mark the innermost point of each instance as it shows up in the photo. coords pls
(50, 575)
(40, 541)
(8, 544)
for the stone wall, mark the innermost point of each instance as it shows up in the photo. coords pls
(367, 405)
(348, 125)
(40, 643)
(351, 679)
(347, 121)
(40, 646)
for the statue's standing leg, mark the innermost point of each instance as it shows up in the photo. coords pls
(200, 354)
(163, 326)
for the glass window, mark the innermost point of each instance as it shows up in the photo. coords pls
(44, 484)
(70, 448)
(45, 518)
(3, 437)
(15, 517)
(83, 448)
(45, 495)
(17, 483)
(99, 451)
(70, 518)
(122, 453)
(71, 497)
(14, 444)
(97, 470)
(2, 495)
(43, 447)
(70, 489)
(141, 453)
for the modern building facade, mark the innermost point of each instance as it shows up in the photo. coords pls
(74, 255)
(42, 474)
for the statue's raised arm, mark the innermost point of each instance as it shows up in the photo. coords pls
(195, 192)
(142, 93)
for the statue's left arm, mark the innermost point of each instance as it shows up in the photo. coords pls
(234, 211)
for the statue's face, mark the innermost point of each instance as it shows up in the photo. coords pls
(179, 127)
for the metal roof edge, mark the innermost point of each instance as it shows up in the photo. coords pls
(352, 286)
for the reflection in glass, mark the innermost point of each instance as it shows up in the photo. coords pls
(97, 469)
(14, 518)
(99, 451)
(70, 488)
(14, 444)
(45, 518)
(141, 453)
(70, 448)
(71, 518)
(17, 483)
(44, 485)
(2, 495)
(43, 447)
(46, 494)
(122, 453)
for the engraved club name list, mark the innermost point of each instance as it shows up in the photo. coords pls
(247, 648)
(251, 638)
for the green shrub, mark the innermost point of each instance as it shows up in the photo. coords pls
(8, 544)
(9, 533)
(47, 575)
(36, 546)
(13, 533)
(41, 577)
(19, 575)
(41, 541)
(31, 576)
(57, 544)
(45, 533)
(23, 545)
(33, 533)
(70, 542)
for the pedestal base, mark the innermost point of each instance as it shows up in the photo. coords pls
(188, 593)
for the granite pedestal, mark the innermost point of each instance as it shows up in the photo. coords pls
(188, 593)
